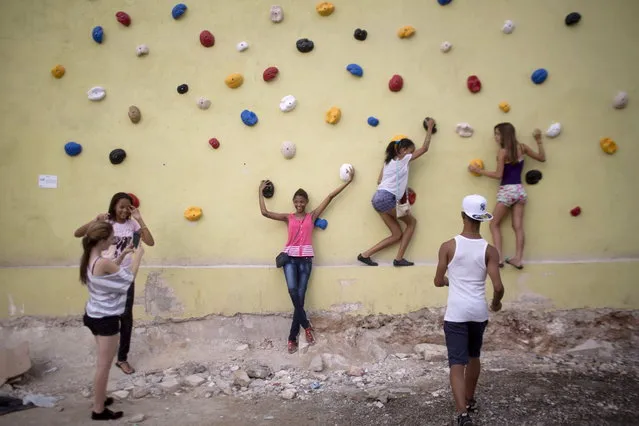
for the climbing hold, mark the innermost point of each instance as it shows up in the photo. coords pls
(345, 172)
(270, 73)
(178, 10)
(203, 103)
(58, 71)
(123, 18)
(620, 100)
(412, 195)
(360, 34)
(269, 189)
(182, 89)
(142, 50)
(248, 117)
(445, 46)
(533, 177)
(572, 18)
(207, 39)
(333, 115)
(325, 8)
(288, 103)
(473, 83)
(193, 213)
(321, 223)
(539, 76)
(355, 69)
(98, 34)
(215, 144)
(576, 211)
(608, 145)
(288, 149)
(372, 121)
(464, 130)
(425, 124)
(277, 14)
(398, 137)
(504, 106)
(479, 163)
(509, 27)
(553, 130)
(304, 45)
(117, 156)
(234, 80)
(443, 2)
(72, 149)
(396, 83)
(406, 31)
(134, 114)
(135, 201)
(242, 46)
(96, 93)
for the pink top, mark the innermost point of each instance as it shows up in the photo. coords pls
(300, 236)
(123, 233)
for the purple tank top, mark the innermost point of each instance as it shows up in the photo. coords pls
(512, 173)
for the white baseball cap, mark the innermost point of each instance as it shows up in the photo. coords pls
(475, 208)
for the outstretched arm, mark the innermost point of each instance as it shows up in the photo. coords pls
(441, 279)
(498, 173)
(539, 156)
(424, 148)
(275, 216)
(82, 231)
(320, 209)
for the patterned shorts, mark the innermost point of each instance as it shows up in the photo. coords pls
(509, 195)
(383, 201)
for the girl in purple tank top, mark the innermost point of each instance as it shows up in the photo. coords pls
(511, 194)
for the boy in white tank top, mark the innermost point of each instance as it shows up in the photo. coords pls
(468, 258)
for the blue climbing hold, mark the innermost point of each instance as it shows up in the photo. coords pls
(178, 10)
(355, 69)
(249, 118)
(372, 121)
(321, 223)
(72, 149)
(539, 76)
(98, 34)
(444, 2)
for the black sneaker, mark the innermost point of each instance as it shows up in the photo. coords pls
(471, 406)
(106, 415)
(464, 420)
(366, 260)
(402, 262)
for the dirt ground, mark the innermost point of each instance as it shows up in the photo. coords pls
(539, 368)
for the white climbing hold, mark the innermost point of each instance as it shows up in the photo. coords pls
(620, 100)
(345, 172)
(288, 149)
(554, 130)
(203, 103)
(242, 46)
(277, 14)
(509, 27)
(288, 103)
(142, 50)
(96, 93)
(445, 46)
(464, 130)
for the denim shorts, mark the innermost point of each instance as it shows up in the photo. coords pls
(384, 201)
(463, 340)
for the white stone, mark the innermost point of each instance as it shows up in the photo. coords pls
(288, 394)
(142, 50)
(170, 385)
(96, 93)
(345, 172)
(317, 364)
(240, 378)
(445, 47)
(194, 380)
(464, 130)
(620, 100)
(242, 347)
(554, 130)
(509, 27)
(277, 14)
(138, 418)
(121, 394)
(86, 393)
(203, 103)
(288, 103)
(242, 46)
(288, 149)
(431, 352)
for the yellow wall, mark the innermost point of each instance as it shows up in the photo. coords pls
(170, 165)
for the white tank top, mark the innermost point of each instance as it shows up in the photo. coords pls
(467, 282)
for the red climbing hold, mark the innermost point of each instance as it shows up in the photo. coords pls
(270, 73)
(123, 18)
(215, 144)
(207, 39)
(576, 211)
(135, 201)
(473, 83)
(396, 83)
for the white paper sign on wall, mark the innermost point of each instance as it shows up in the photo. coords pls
(47, 181)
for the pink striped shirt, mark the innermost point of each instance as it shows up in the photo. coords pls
(300, 236)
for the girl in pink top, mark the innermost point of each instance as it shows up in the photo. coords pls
(299, 247)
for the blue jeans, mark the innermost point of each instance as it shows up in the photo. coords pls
(297, 273)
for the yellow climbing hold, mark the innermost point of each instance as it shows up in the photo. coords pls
(234, 80)
(333, 115)
(325, 8)
(193, 213)
(406, 31)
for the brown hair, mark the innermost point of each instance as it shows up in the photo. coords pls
(97, 231)
(508, 141)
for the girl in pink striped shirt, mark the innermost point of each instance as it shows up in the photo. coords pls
(299, 247)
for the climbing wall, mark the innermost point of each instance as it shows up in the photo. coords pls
(189, 106)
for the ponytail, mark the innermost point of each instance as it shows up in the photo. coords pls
(97, 231)
(394, 147)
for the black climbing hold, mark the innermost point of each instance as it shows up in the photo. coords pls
(304, 45)
(573, 18)
(533, 177)
(269, 189)
(117, 156)
(183, 88)
(360, 34)
(426, 125)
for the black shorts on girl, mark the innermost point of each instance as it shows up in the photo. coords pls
(106, 326)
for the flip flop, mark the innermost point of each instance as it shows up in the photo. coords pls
(501, 264)
(520, 267)
(126, 370)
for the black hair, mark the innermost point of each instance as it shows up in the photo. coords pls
(301, 193)
(393, 148)
(114, 200)
(470, 219)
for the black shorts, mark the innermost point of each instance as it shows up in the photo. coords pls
(106, 326)
(463, 340)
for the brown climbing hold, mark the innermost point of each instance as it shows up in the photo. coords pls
(134, 114)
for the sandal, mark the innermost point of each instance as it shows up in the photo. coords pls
(125, 367)
(520, 267)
